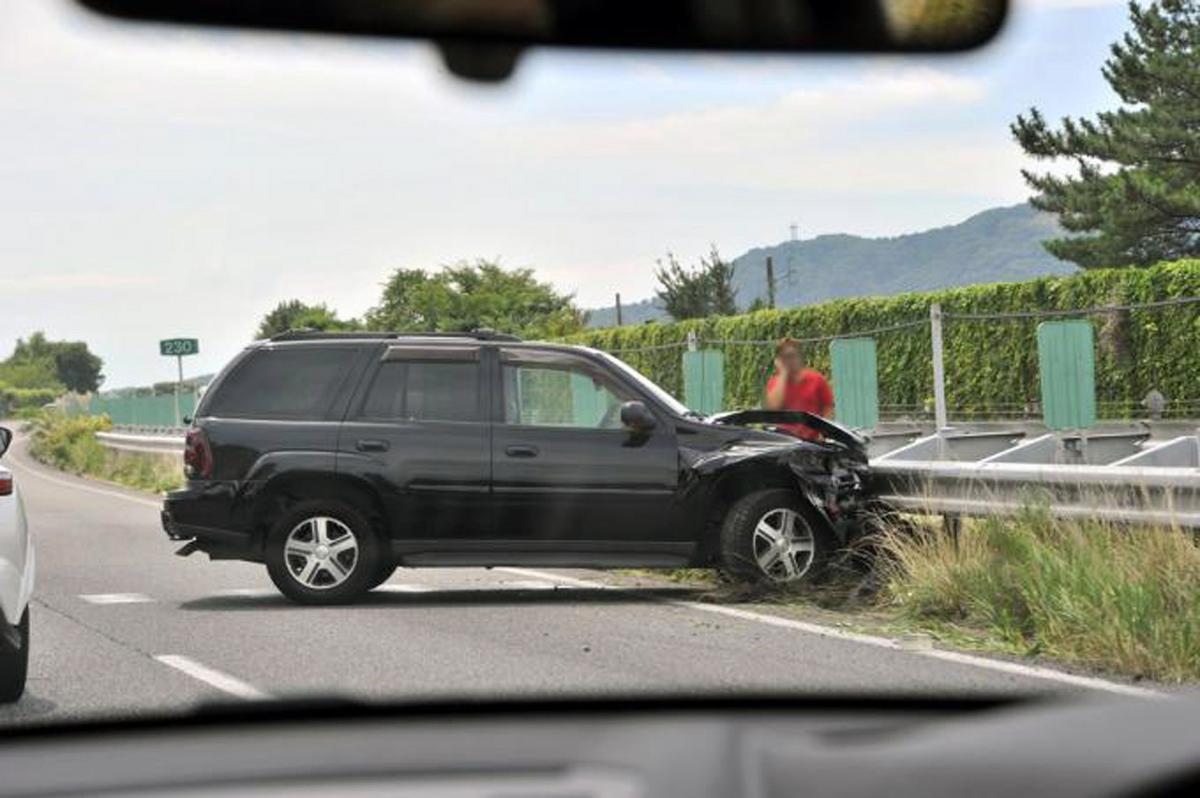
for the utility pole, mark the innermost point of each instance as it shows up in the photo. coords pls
(618, 308)
(939, 367)
(795, 228)
(770, 283)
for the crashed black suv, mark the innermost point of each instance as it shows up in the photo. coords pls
(335, 458)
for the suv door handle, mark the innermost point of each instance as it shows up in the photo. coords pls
(371, 446)
(521, 450)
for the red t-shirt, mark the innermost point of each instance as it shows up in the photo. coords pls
(808, 391)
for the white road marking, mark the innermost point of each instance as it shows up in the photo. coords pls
(1002, 666)
(528, 584)
(116, 598)
(213, 678)
(400, 587)
(248, 592)
(37, 472)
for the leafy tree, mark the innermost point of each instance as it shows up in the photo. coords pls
(706, 290)
(77, 367)
(296, 315)
(37, 362)
(469, 296)
(1137, 187)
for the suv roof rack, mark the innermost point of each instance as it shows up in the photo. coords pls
(481, 334)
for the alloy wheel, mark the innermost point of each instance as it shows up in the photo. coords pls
(784, 545)
(320, 552)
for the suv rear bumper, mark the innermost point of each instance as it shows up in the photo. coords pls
(187, 515)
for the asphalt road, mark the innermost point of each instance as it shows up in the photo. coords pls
(121, 626)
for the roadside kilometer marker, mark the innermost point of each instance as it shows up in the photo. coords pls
(116, 598)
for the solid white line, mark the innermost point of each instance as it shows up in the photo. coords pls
(115, 598)
(37, 472)
(1002, 666)
(213, 678)
(399, 587)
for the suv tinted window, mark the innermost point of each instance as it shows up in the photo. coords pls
(289, 382)
(429, 391)
(560, 391)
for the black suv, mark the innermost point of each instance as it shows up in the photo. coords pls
(335, 458)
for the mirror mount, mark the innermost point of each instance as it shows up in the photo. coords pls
(6, 437)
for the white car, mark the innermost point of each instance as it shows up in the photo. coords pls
(16, 584)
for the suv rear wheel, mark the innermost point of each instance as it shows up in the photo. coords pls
(323, 551)
(770, 536)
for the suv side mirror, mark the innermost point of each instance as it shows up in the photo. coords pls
(5, 439)
(636, 417)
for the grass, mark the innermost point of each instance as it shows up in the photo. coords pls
(69, 443)
(1107, 597)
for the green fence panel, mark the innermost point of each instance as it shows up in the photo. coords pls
(1067, 362)
(143, 411)
(855, 381)
(704, 380)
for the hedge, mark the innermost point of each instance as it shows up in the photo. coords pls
(991, 366)
(14, 399)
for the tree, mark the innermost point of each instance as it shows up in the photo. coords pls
(77, 367)
(38, 362)
(1137, 188)
(469, 296)
(706, 290)
(296, 315)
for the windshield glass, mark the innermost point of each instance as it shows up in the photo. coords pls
(647, 384)
(305, 311)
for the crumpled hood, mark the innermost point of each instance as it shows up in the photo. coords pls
(830, 429)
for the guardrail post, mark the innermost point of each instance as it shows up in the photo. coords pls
(939, 367)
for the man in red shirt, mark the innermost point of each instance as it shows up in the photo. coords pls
(794, 387)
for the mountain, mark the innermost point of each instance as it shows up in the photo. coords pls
(997, 245)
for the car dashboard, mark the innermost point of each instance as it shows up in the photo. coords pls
(629, 749)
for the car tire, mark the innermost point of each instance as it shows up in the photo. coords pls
(14, 665)
(774, 536)
(323, 551)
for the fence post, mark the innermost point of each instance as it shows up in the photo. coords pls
(939, 367)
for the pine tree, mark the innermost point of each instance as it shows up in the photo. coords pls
(1136, 193)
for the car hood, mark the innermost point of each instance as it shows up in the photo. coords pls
(831, 430)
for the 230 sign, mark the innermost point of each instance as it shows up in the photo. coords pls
(178, 347)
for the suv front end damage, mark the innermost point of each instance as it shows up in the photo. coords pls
(832, 474)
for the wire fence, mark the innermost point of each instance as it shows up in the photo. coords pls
(1144, 361)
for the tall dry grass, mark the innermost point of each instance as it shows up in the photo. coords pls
(1123, 599)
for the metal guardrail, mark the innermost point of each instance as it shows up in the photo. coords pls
(1116, 476)
(164, 440)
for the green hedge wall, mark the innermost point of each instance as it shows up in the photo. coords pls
(991, 366)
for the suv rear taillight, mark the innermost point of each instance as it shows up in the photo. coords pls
(197, 455)
(5, 484)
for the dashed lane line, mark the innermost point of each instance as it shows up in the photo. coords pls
(116, 598)
(213, 677)
(986, 663)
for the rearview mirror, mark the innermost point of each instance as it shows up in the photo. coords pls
(5, 439)
(482, 40)
(636, 417)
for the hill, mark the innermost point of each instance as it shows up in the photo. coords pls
(997, 245)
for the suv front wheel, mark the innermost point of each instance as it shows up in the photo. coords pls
(323, 552)
(770, 536)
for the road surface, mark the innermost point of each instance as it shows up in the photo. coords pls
(122, 627)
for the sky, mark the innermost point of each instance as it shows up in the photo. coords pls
(157, 183)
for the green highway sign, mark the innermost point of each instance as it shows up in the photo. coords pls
(178, 347)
